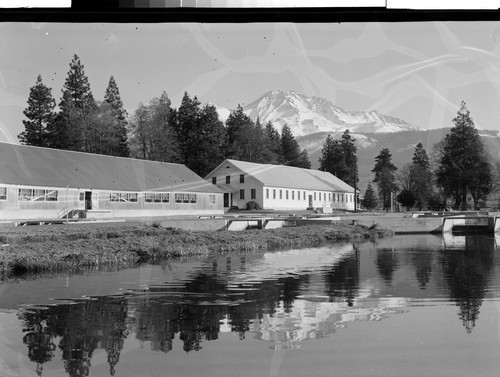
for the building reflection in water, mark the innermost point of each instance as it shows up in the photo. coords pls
(282, 297)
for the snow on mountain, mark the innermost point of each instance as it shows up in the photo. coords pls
(306, 115)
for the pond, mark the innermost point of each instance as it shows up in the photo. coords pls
(419, 305)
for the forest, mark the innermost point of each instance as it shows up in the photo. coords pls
(191, 135)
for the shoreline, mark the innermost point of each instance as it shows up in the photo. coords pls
(40, 249)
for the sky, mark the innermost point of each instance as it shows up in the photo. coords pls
(416, 71)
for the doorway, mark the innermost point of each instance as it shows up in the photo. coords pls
(88, 200)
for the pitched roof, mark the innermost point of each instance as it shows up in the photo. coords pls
(289, 176)
(35, 166)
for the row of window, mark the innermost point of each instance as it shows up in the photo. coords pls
(158, 197)
(35, 195)
(228, 179)
(39, 195)
(316, 196)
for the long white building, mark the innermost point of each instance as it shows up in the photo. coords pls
(44, 183)
(280, 187)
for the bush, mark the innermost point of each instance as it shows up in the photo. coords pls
(252, 205)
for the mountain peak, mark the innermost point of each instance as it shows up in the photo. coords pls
(305, 115)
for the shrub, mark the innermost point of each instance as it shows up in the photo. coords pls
(252, 205)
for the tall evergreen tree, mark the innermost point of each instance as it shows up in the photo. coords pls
(292, 155)
(210, 139)
(384, 176)
(77, 84)
(273, 141)
(332, 158)
(66, 132)
(186, 125)
(40, 115)
(370, 199)
(165, 145)
(241, 143)
(350, 158)
(140, 133)
(421, 176)
(464, 164)
(119, 129)
(77, 103)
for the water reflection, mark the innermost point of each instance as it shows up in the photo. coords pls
(467, 272)
(281, 298)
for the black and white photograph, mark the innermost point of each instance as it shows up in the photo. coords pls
(201, 194)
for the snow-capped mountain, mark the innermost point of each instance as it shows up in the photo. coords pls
(306, 115)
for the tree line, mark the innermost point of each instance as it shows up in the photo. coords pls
(191, 135)
(460, 174)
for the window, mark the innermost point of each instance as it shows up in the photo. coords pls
(242, 194)
(37, 195)
(178, 198)
(253, 194)
(157, 197)
(267, 193)
(293, 194)
(228, 179)
(185, 198)
(314, 196)
(148, 197)
(165, 197)
(242, 178)
(286, 194)
(133, 197)
(324, 196)
(281, 194)
(82, 197)
(298, 195)
(193, 198)
(3, 193)
(214, 180)
(274, 193)
(304, 196)
(211, 199)
(333, 197)
(329, 196)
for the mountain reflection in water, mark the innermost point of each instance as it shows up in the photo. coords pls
(282, 298)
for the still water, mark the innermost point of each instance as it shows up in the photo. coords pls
(406, 306)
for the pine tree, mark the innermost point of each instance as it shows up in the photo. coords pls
(291, 150)
(273, 142)
(77, 103)
(384, 176)
(240, 136)
(332, 158)
(421, 176)
(119, 130)
(77, 84)
(140, 133)
(351, 160)
(464, 163)
(164, 144)
(370, 200)
(186, 126)
(40, 114)
(210, 139)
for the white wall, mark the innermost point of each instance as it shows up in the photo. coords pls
(69, 198)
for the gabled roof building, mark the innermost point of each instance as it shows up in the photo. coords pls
(280, 187)
(41, 183)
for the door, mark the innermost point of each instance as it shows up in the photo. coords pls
(88, 200)
(226, 200)
(310, 201)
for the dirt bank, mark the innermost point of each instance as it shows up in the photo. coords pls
(70, 247)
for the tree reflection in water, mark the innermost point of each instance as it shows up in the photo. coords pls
(466, 274)
(196, 310)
